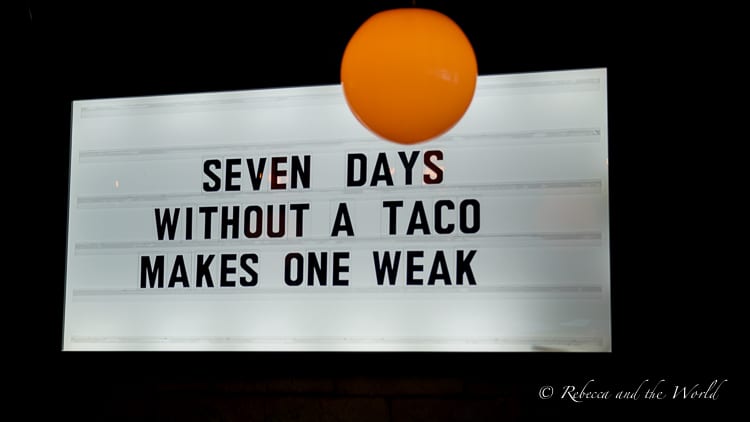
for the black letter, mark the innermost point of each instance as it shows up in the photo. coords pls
(439, 228)
(207, 211)
(179, 273)
(463, 267)
(216, 185)
(226, 270)
(412, 267)
(298, 220)
(296, 256)
(189, 223)
(408, 164)
(315, 269)
(233, 221)
(301, 172)
(153, 273)
(381, 171)
(276, 173)
(249, 211)
(437, 177)
(386, 266)
(350, 179)
(475, 216)
(228, 183)
(338, 268)
(203, 270)
(418, 214)
(256, 175)
(282, 221)
(249, 270)
(166, 222)
(392, 205)
(342, 213)
(439, 269)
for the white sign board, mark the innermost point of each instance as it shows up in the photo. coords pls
(272, 220)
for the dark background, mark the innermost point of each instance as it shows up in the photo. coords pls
(676, 275)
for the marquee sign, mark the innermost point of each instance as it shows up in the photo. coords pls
(272, 220)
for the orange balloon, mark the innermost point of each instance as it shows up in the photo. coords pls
(409, 75)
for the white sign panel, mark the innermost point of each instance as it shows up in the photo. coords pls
(272, 220)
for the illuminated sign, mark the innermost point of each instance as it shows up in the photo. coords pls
(272, 220)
